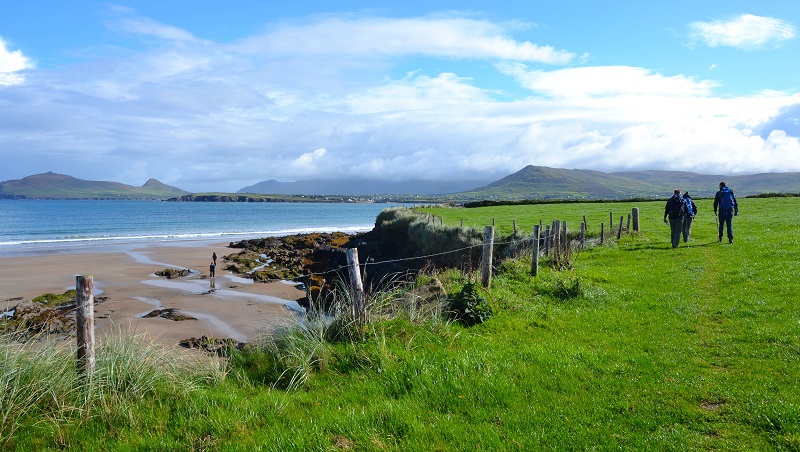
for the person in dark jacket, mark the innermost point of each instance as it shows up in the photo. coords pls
(675, 210)
(691, 211)
(725, 203)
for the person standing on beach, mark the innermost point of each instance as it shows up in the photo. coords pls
(676, 211)
(214, 257)
(211, 268)
(728, 208)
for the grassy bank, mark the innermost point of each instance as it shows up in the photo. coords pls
(637, 347)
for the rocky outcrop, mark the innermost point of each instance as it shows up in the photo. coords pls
(169, 314)
(214, 345)
(48, 314)
(171, 273)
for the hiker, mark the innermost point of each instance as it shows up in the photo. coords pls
(691, 211)
(676, 211)
(211, 268)
(728, 208)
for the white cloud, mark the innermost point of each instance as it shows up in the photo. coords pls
(605, 81)
(746, 31)
(11, 64)
(372, 37)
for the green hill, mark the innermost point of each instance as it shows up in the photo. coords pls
(537, 182)
(59, 186)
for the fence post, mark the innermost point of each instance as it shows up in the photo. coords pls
(584, 222)
(619, 233)
(610, 221)
(636, 219)
(535, 260)
(546, 240)
(628, 227)
(488, 244)
(359, 308)
(462, 222)
(84, 319)
(583, 232)
(557, 242)
(602, 232)
(514, 223)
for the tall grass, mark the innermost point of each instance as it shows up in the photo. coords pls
(39, 379)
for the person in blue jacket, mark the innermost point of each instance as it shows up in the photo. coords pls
(691, 211)
(676, 211)
(725, 207)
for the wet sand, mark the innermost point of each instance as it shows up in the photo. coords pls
(225, 306)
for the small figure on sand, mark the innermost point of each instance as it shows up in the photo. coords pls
(214, 257)
(211, 268)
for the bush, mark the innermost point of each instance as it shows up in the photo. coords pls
(468, 307)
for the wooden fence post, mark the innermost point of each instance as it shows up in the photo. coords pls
(636, 219)
(619, 233)
(602, 232)
(546, 240)
(359, 308)
(84, 319)
(628, 226)
(557, 242)
(488, 244)
(514, 223)
(535, 260)
(610, 221)
(583, 232)
(584, 222)
(462, 222)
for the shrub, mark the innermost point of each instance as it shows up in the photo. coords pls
(469, 308)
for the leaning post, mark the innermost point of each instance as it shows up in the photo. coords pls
(359, 308)
(619, 232)
(84, 319)
(535, 260)
(486, 267)
(635, 219)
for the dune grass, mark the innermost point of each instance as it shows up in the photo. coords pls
(651, 348)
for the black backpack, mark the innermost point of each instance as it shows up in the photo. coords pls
(677, 207)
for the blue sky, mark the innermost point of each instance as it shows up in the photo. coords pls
(213, 96)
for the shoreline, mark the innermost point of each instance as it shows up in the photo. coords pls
(224, 306)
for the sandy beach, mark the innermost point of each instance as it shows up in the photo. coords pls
(225, 306)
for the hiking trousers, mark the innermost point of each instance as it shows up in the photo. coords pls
(726, 221)
(687, 228)
(676, 228)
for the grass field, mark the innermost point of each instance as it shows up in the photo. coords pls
(651, 348)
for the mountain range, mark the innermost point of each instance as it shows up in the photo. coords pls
(59, 186)
(531, 182)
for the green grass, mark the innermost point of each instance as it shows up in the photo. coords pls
(654, 348)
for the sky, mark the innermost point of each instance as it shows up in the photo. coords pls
(216, 96)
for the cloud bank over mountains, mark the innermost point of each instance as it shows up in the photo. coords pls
(340, 96)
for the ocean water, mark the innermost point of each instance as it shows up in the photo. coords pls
(30, 227)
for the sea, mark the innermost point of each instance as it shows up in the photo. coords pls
(40, 227)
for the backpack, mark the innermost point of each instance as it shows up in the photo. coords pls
(726, 200)
(689, 207)
(677, 207)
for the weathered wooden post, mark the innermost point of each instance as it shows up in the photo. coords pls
(84, 319)
(619, 233)
(535, 260)
(583, 232)
(584, 222)
(441, 221)
(557, 242)
(628, 226)
(610, 221)
(492, 221)
(546, 240)
(462, 222)
(602, 232)
(514, 224)
(564, 236)
(359, 307)
(636, 219)
(488, 244)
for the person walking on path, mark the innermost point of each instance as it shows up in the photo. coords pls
(211, 269)
(676, 211)
(725, 207)
(691, 211)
